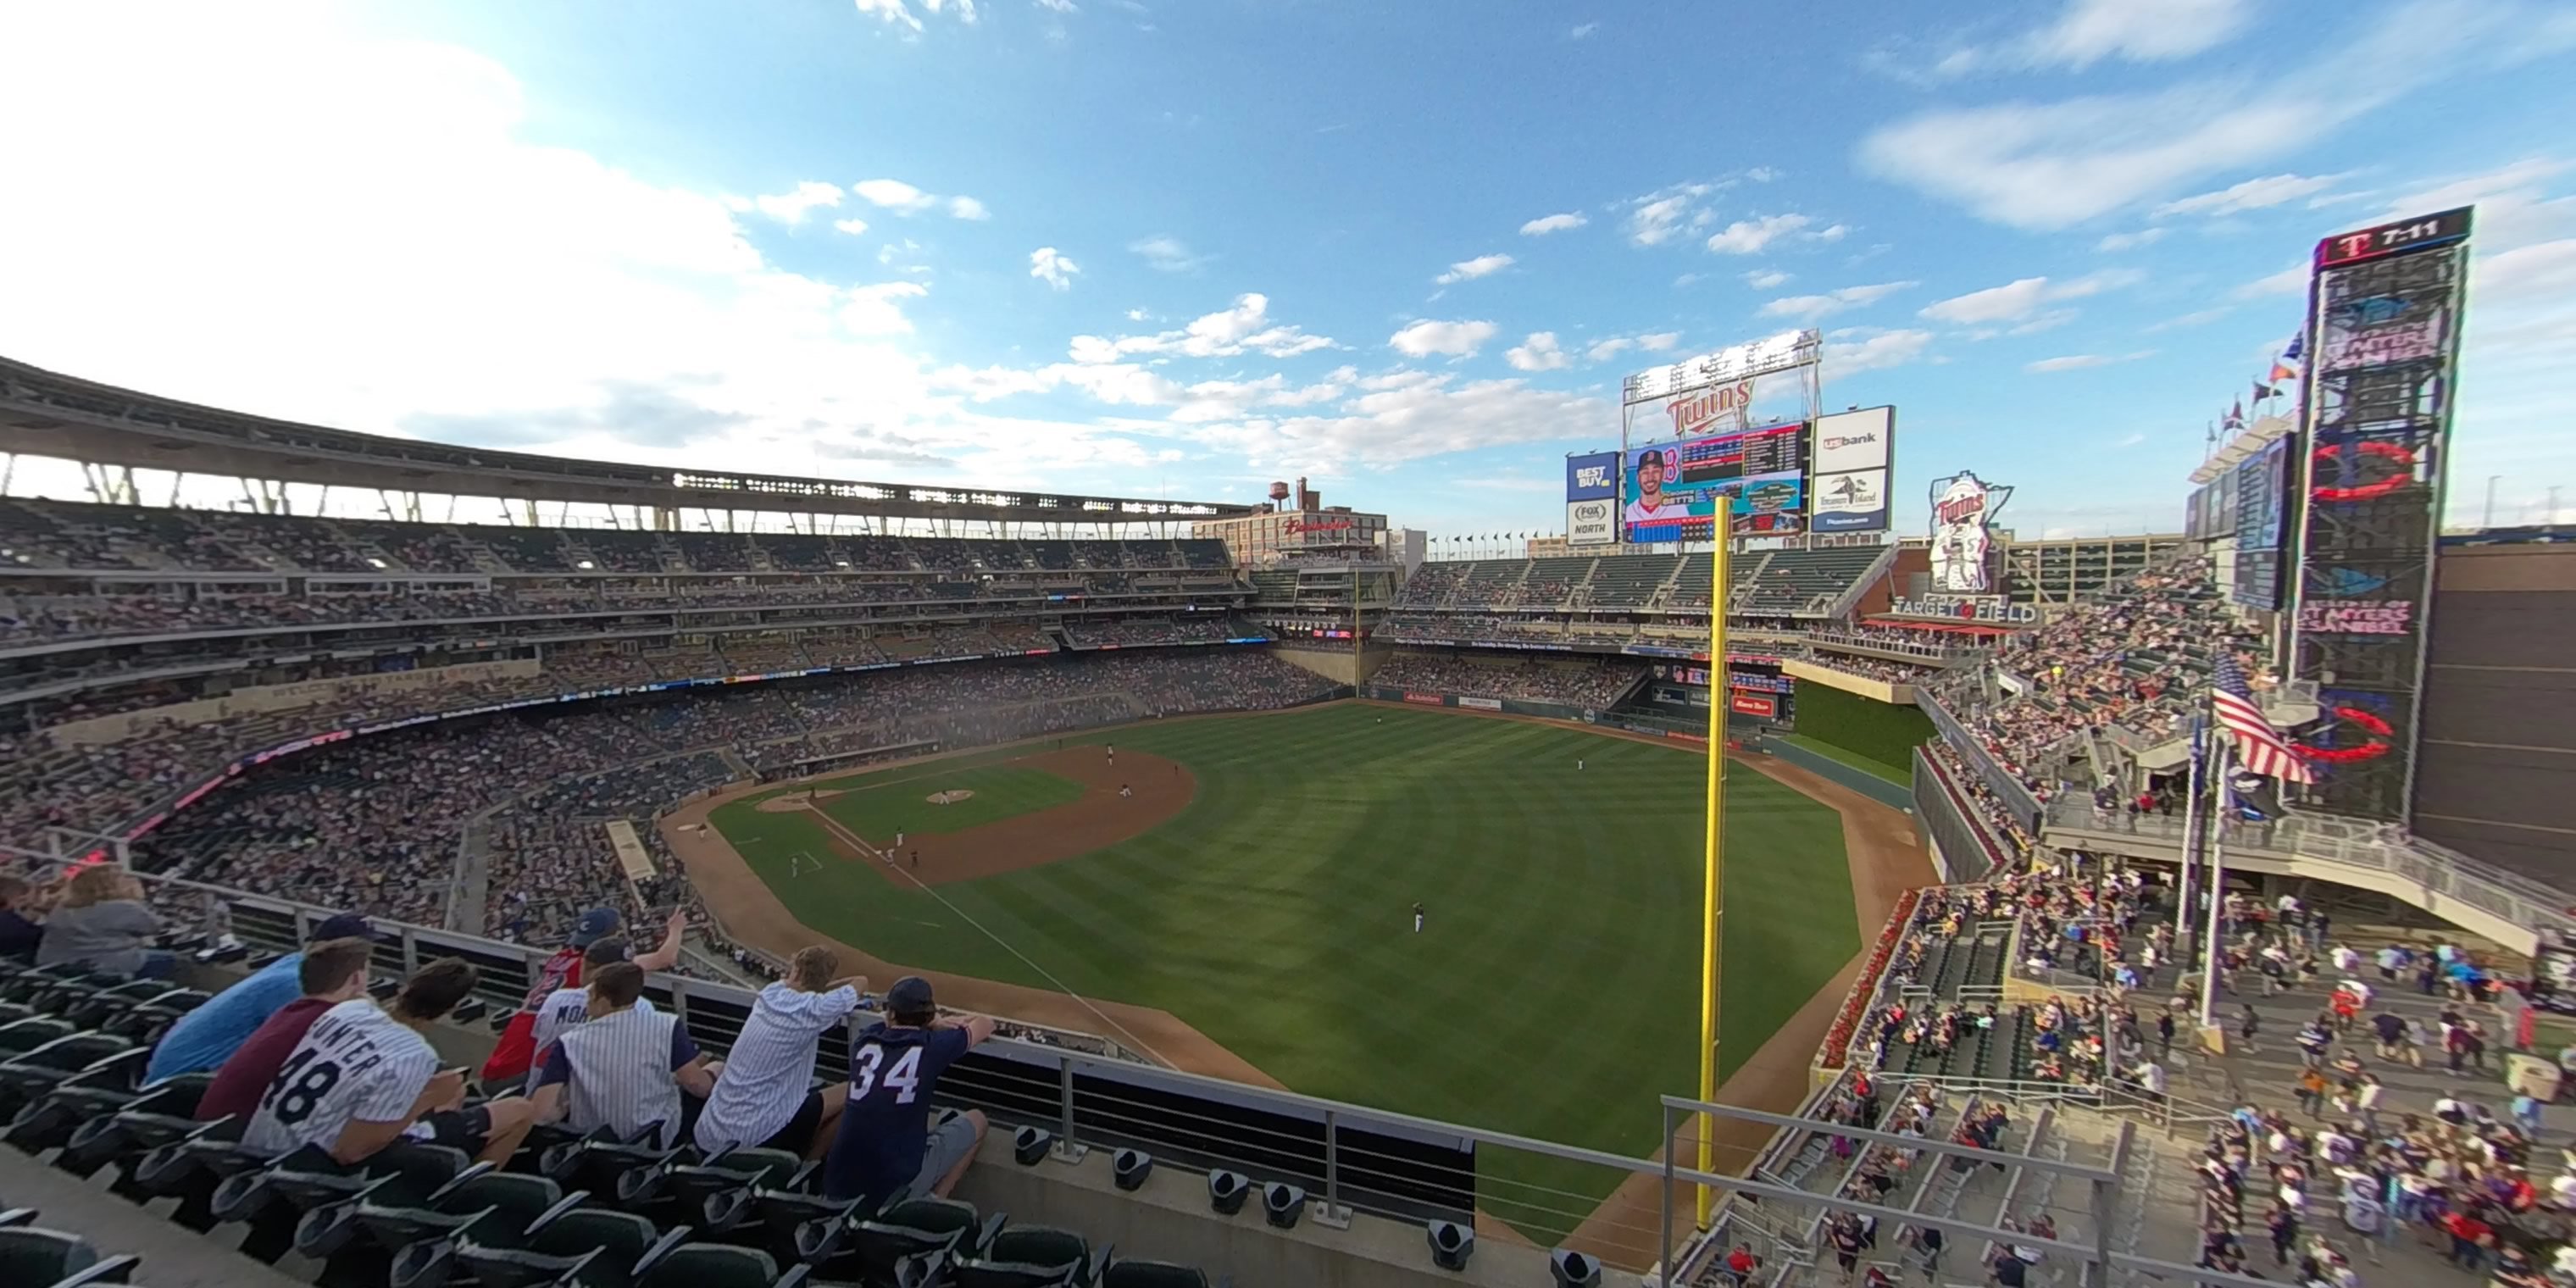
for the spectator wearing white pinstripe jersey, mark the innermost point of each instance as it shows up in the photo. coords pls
(624, 1069)
(764, 1096)
(566, 1007)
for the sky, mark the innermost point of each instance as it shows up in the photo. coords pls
(1182, 248)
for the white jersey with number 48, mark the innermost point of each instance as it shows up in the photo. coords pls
(355, 1063)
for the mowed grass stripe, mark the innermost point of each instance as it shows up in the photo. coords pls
(1554, 993)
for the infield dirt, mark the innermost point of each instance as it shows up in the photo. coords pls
(1159, 790)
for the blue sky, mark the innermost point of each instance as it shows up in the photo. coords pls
(1154, 247)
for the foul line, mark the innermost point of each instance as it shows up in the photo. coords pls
(834, 826)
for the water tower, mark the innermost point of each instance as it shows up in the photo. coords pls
(1279, 493)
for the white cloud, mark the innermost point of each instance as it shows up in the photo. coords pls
(895, 195)
(1537, 353)
(1051, 267)
(2130, 241)
(2079, 361)
(1604, 350)
(2252, 194)
(1812, 307)
(1853, 350)
(2046, 165)
(853, 227)
(2289, 281)
(1655, 217)
(1750, 236)
(792, 206)
(2201, 318)
(1245, 327)
(1138, 315)
(1407, 415)
(899, 13)
(1167, 254)
(2137, 31)
(2019, 300)
(1658, 341)
(2512, 210)
(873, 310)
(1060, 6)
(967, 208)
(1455, 339)
(1585, 31)
(1763, 279)
(1469, 270)
(1545, 224)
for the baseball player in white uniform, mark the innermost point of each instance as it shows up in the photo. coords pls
(623, 1069)
(764, 1097)
(364, 1078)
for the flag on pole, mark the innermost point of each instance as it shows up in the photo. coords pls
(2298, 347)
(2283, 371)
(2263, 391)
(2236, 416)
(2260, 748)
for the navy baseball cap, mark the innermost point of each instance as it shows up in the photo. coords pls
(911, 993)
(343, 925)
(594, 924)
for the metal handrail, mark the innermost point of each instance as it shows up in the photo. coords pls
(2370, 847)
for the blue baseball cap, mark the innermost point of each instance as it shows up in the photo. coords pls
(343, 925)
(595, 924)
(911, 993)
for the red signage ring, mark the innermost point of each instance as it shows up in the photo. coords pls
(2400, 461)
(2382, 740)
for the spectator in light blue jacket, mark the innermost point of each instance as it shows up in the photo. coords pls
(207, 1036)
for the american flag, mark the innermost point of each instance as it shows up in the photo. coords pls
(2259, 746)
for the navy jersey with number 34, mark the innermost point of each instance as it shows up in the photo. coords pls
(886, 1128)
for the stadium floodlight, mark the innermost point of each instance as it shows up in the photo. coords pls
(1782, 352)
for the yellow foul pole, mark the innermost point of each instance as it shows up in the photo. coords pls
(1712, 905)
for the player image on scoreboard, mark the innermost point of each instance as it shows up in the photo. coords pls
(1674, 491)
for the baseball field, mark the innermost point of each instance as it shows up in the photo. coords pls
(1256, 877)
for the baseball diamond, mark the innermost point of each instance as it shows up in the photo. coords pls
(1258, 886)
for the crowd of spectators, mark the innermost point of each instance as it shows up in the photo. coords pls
(2138, 657)
(1573, 684)
(377, 823)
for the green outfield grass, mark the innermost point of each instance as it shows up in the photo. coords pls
(880, 805)
(1554, 994)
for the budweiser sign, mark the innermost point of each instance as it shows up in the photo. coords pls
(1321, 525)
(1733, 401)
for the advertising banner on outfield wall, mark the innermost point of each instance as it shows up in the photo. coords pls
(1481, 704)
(1426, 699)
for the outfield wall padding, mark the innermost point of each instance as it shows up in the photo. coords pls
(1893, 795)
(1877, 731)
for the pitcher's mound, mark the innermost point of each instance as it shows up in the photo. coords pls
(947, 798)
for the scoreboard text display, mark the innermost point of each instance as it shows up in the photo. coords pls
(1673, 491)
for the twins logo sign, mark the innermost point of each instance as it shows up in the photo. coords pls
(1962, 506)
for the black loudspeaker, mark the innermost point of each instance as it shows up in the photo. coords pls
(1282, 1204)
(1574, 1269)
(1029, 1145)
(1128, 1168)
(1227, 1190)
(1451, 1245)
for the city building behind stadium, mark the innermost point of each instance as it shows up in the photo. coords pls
(1335, 888)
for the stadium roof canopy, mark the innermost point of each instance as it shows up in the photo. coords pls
(43, 413)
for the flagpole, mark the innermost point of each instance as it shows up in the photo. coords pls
(1712, 903)
(2217, 878)
(2193, 780)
